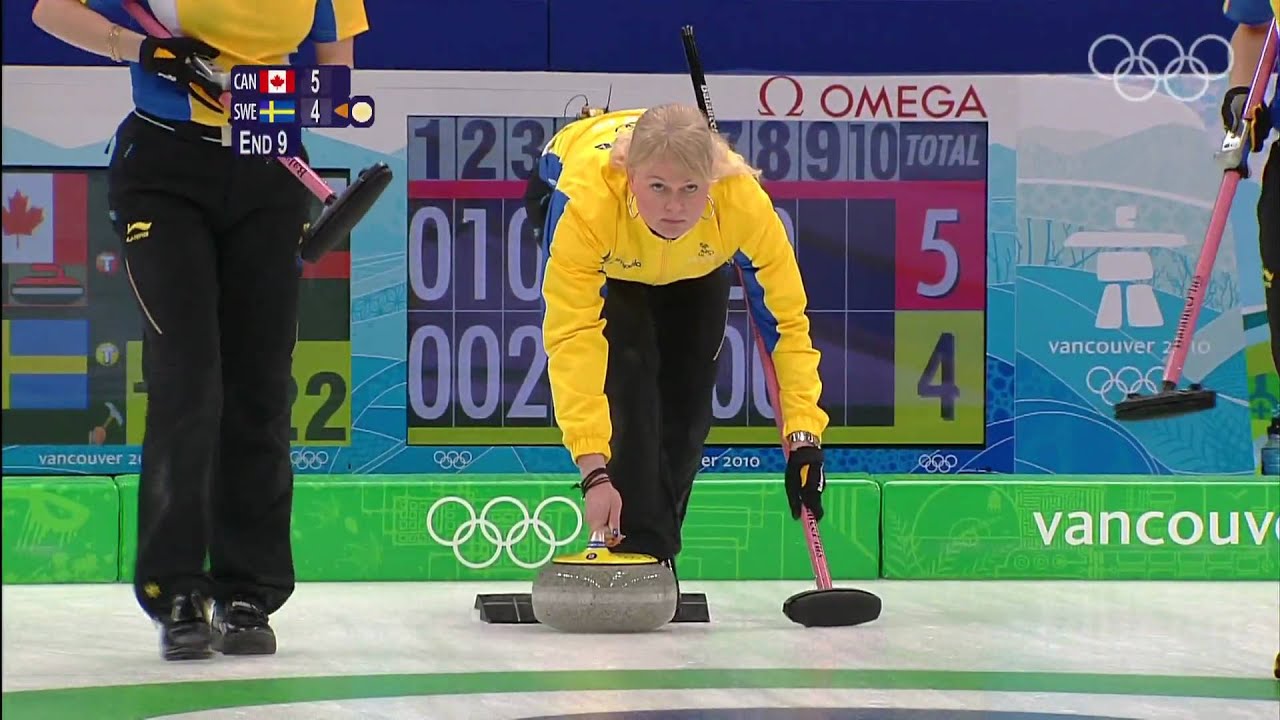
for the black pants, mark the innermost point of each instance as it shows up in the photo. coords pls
(1269, 244)
(664, 342)
(210, 245)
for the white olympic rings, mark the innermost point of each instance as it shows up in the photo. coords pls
(309, 459)
(1115, 386)
(937, 463)
(452, 459)
(1185, 64)
(493, 534)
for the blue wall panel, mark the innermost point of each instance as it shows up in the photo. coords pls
(870, 36)
(764, 36)
(405, 35)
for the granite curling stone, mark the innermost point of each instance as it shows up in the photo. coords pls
(600, 591)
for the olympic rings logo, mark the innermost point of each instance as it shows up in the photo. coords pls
(492, 534)
(1113, 387)
(452, 459)
(1185, 63)
(309, 459)
(937, 463)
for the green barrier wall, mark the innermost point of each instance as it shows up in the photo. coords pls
(60, 530)
(371, 527)
(501, 527)
(1081, 528)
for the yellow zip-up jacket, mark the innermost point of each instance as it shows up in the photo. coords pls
(591, 235)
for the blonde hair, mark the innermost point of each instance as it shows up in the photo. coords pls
(678, 133)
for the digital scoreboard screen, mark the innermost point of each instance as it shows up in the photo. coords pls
(889, 224)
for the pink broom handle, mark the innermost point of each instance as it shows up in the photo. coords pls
(817, 556)
(1231, 147)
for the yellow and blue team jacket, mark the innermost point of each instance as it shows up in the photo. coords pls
(1258, 12)
(247, 32)
(591, 235)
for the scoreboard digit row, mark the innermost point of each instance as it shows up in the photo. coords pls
(494, 148)
(922, 248)
(888, 221)
(480, 378)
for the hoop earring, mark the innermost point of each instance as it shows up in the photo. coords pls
(632, 208)
(710, 211)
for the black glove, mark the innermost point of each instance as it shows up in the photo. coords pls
(175, 59)
(805, 481)
(1254, 131)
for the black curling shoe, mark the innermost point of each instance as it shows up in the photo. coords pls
(240, 627)
(184, 632)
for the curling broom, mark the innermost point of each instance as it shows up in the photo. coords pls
(1170, 401)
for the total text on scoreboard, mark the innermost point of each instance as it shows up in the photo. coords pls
(270, 105)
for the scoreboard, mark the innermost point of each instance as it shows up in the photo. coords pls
(889, 225)
(271, 105)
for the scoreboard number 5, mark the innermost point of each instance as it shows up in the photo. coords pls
(941, 247)
(930, 241)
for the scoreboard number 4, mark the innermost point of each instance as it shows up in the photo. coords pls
(941, 365)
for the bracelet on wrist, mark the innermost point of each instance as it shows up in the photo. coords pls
(592, 479)
(113, 42)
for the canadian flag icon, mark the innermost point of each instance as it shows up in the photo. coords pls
(276, 82)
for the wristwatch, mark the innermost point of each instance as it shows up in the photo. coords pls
(804, 436)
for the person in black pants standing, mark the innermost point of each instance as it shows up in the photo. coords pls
(210, 247)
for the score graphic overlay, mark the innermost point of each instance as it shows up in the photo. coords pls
(73, 392)
(271, 105)
(889, 224)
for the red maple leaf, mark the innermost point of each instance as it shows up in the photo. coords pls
(19, 218)
(277, 81)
